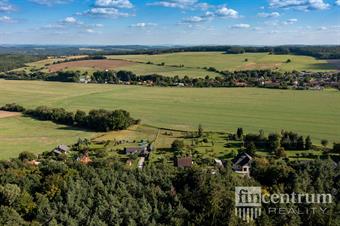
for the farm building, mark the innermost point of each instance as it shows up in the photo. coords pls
(242, 163)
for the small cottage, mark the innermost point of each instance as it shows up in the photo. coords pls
(61, 149)
(242, 164)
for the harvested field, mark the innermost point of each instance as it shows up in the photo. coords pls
(6, 114)
(95, 64)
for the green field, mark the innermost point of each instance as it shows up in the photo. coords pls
(18, 134)
(231, 62)
(315, 113)
(192, 64)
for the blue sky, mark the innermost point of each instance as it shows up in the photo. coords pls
(164, 22)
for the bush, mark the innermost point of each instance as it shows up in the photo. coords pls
(13, 107)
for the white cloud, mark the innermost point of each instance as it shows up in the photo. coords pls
(182, 4)
(269, 15)
(337, 2)
(193, 19)
(300, 4)
(143, 25)
(51, 2)
(106, 12)
(97, 25)
(290, 21)
(6, 7)
(70, 20)
(89, 30)
(114, 4)
(226, 12)
(109, 8)
(6, 19)
(240, 26)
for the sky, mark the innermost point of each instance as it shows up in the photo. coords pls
(170, 22)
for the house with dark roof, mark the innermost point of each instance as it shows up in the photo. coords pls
(137, 150)
(61, 149)
(184, 162)
(242, 164)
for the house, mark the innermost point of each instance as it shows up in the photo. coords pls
(219, 163)
(136, 150)
(61, 149)
(242, 163)
(144, 149)
(129, 162)
(33, 162)
(184, 162)
(141, 163)
(85, 159)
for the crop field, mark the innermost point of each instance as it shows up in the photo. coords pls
(315, 113)
(232, 62)
(90, 64)
(192, 64)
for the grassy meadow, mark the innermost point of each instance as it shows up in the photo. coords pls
(18, 134)
(315, 113)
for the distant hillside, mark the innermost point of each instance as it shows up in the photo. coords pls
(320, 52)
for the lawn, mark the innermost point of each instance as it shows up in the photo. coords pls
(315, 113)
(18, 134)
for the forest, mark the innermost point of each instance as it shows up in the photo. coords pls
(321, 52)
(105, 192)
(12, 61)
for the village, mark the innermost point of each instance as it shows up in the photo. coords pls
(142, 145)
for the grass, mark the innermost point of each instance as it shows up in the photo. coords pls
(232, 62)
(193, 63)
(314, 113)
(18, 134)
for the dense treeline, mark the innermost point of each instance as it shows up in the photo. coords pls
(98, 120)
(321, 52)
(61, 76)
(107, 193)
(12, 61)
(287, 140)
(251, 78)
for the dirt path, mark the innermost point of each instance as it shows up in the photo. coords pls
(6, 114)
